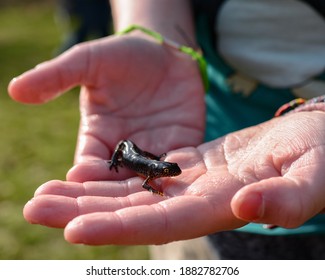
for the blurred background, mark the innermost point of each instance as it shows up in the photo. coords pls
(37, 142)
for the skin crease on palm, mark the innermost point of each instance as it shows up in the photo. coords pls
(269, 173)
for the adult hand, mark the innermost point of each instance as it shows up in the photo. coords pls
(269, 173)
(132, 88)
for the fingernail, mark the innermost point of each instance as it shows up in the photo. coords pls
(72, 231)
(251, 207)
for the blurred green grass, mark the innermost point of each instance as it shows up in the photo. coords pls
(37, 142)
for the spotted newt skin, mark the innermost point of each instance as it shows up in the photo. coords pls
(143, 163)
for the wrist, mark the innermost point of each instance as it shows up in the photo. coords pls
(302, 105)
(160, 39)
(172, 19)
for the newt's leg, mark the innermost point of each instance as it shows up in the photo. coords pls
(146, 186)
(115, 162)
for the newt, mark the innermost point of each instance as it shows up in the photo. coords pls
(143, 163)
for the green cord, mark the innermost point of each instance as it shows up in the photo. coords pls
(149, 32)
(184, 49)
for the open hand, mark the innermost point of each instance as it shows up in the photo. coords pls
(269, 173)
(132, 88)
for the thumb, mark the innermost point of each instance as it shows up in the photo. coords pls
(49, 79)
(286, 202)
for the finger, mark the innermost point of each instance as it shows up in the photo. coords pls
(159, 223)
(49, 79)
(57, 211)
(286, 202)
(96, 170)
(92, 188)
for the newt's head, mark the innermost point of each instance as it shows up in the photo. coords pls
(166, 169)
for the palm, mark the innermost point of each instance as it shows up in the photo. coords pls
(216, 186)
(154, 101)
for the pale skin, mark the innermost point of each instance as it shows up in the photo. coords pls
(269, 173)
